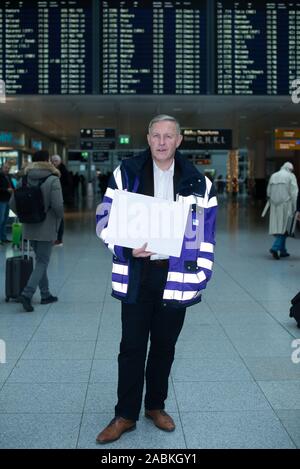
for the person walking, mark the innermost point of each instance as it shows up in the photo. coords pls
(155, 289)
(282, 191)
(42, 235)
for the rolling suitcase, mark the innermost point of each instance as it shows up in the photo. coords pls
(18, 271)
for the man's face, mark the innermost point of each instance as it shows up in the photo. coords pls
(163, 140)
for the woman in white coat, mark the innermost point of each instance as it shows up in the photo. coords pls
(282, 192)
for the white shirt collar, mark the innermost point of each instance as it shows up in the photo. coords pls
(168, 171)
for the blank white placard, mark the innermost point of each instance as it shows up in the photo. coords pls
(137, 219)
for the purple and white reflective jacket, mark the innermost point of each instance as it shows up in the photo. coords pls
(189, 273)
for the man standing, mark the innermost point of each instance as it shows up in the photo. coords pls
(6, 189)
(282, 191)
(154, 289)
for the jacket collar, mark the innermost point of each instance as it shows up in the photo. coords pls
(42, 165)
(141, 168)
(137, 163)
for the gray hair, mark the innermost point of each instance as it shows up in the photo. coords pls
(56, 159)
(164, 117)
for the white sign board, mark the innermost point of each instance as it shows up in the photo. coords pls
(137, 219)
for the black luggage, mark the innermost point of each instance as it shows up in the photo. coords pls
(295, 309)
(18, 271)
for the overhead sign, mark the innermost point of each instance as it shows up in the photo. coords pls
(100, 156)
(287, 139)
(97, 139)
(206, 139)
(12, 138)
(290, 145)
(36, 144)
(202, 159)
(124, 139)
(75, 155)
(287, 133)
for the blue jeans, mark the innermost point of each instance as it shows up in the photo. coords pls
(4, 210)
(279, 244)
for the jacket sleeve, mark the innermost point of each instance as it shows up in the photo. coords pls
(56, 198)
(205, 256)
(2, 185)
(294, 191)
(12, 203)
(103, 212)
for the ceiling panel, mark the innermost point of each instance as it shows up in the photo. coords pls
(62, 117)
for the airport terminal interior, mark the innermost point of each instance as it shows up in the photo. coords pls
(235, 380)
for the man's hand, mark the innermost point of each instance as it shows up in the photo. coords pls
(141, 252)
(298, 216)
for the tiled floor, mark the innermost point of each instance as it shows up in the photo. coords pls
(233, 383)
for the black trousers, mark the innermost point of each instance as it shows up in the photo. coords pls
(149, 316)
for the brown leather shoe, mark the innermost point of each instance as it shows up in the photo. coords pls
(161, 419)
(115, 429)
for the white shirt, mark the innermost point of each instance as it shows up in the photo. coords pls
(163, 189)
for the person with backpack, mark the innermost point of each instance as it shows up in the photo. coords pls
(282, 191)
(38, 203)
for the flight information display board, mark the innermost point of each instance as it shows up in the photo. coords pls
(153, 47)
(149, 47)
(46, 46)
(258, 46)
